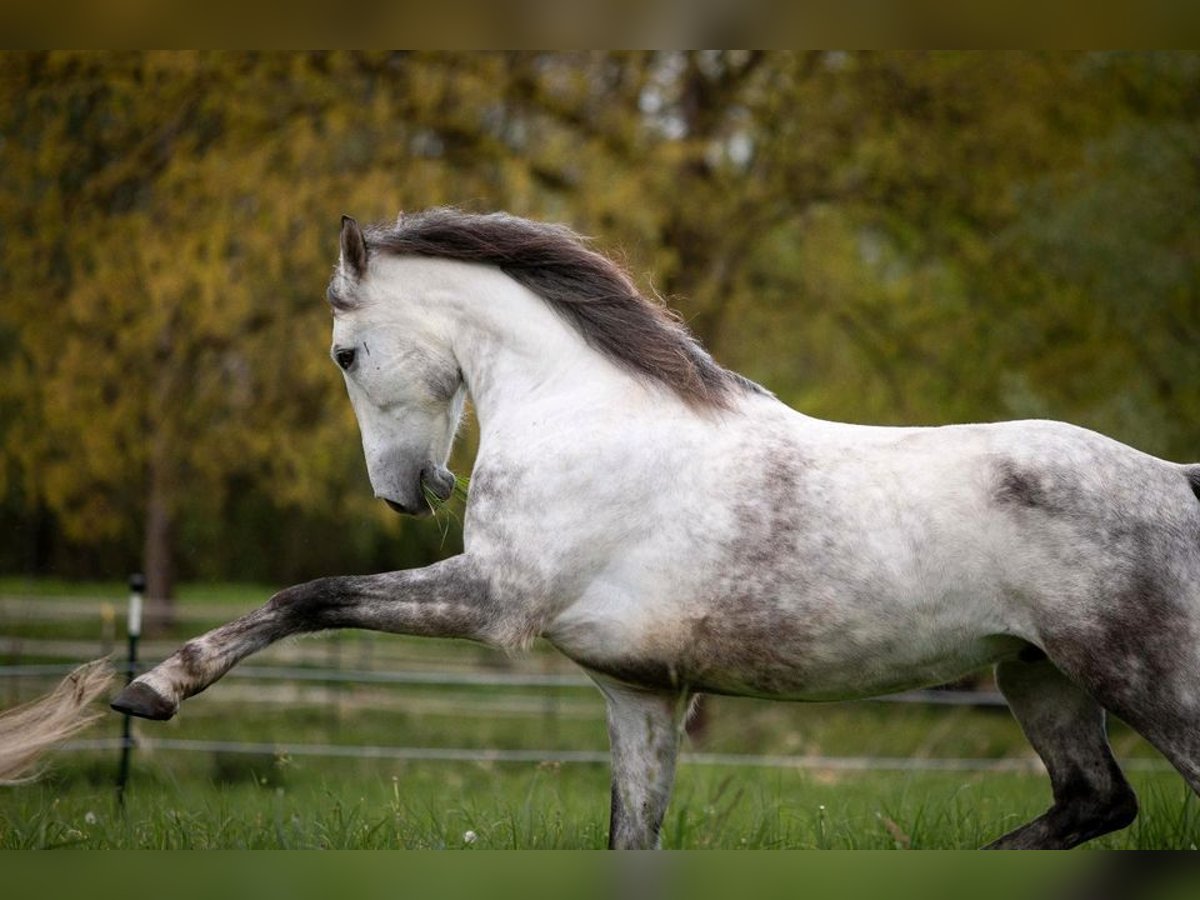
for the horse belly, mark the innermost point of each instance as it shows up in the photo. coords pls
(768, 653)
(837, 671)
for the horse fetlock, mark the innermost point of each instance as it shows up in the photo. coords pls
(1120, 810)
(1072, 822)
(1088, 812)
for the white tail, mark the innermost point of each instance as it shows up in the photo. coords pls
(28, 731)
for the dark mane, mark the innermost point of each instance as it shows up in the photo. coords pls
(590, 291)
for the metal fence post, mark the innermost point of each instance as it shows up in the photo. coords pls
(137, 590)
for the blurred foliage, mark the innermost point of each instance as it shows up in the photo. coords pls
(883, 237)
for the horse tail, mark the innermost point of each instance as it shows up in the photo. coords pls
(29, 730)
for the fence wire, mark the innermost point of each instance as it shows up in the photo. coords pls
(601, 757)
(479, 679)
(520, 680)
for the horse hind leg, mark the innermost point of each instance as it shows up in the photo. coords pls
(1143, 664)
(1164, 707)
(1066, 728)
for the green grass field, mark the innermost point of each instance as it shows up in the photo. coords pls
(318, 804)
(234, 800)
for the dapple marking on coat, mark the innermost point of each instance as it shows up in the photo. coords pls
(674, 528)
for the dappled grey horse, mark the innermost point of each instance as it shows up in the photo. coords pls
(673, 528)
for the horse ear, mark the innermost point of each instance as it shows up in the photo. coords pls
(354, 247)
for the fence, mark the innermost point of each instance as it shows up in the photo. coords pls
(475, 671)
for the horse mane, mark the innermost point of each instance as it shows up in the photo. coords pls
(589, 290)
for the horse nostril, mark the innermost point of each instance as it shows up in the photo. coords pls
(439, 480)
(396, 507)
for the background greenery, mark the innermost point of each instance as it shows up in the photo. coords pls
(877, 237)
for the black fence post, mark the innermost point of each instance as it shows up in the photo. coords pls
(137, 590)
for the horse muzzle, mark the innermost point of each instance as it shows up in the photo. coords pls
(437, 480)
(433, 482)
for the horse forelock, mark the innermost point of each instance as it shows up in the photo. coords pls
(593, 293)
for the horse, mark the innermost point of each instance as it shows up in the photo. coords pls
(675, 529)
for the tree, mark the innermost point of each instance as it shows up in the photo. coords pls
(142, 291)
(169, 223)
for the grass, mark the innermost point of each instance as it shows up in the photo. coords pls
(230, 800)
(316, 804)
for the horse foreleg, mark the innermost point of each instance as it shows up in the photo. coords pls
(448, 599)
(1066, 728)
(644, 731)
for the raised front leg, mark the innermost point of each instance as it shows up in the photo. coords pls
(447, 599)
(644, 731)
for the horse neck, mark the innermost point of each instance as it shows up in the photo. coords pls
(520, 359)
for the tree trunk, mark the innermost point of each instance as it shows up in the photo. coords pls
(158, 554)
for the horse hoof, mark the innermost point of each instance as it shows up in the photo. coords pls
(143, 701)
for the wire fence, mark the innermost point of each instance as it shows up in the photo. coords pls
(402, 672)
(476, 679)
(592, 757)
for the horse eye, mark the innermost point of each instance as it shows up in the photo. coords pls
(344, 358)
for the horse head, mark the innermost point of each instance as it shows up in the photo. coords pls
(403, 380)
